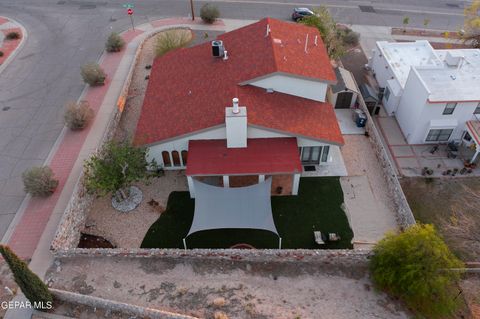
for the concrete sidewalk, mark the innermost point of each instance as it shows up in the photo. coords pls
(37, 224)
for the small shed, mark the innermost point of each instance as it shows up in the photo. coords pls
(343, 95)
(370, 97)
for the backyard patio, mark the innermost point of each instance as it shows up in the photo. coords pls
(316, 208)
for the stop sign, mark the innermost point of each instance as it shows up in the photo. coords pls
(130, 11)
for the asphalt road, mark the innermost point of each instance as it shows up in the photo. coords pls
(65, 34)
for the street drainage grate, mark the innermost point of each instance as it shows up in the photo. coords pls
(367, 9)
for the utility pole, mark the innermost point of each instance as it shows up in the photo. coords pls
(191, 7)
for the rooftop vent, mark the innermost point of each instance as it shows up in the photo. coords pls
(218, 50)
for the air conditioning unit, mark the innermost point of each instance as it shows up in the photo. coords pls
(218, 50)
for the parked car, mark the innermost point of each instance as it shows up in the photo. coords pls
(300, 13)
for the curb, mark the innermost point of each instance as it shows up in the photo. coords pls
(18, 48)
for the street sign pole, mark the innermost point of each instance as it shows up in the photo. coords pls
(130, 13)
(191, 7)
(131, 19)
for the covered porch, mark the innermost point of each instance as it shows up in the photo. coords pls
(471, 142)
(212, 162)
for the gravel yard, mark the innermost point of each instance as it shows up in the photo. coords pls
(239, 289)
(127, 230)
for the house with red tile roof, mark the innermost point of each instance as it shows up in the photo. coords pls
(249, 105)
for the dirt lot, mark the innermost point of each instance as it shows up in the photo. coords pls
(249, 290)
(452, 205)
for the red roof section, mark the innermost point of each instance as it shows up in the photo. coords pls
(189, 89)
(261, 156)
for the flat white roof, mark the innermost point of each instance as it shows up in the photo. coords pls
(459, 81)
(403, 55)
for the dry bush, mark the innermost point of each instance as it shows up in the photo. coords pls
(39, 181)
(209, 13)
(172, 39)
(93, 74)
(464, 223)
(114, 42)
(12, 35)
(77, 116)
(220, 315)
(219, 302)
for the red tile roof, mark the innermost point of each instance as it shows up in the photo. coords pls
(189, 89)
(261, 156)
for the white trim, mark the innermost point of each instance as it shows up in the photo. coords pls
(191, 188)
(226, 181)
(295, 184)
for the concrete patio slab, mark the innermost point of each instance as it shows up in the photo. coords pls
(391, 131)
(346, 123)
(402, 151)
(369, 220)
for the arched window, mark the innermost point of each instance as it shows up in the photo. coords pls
(176, 159)
(184, 157)
(166, 159)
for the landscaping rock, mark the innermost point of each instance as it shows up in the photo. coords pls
(129, 204)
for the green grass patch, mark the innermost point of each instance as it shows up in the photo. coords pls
(317, 207)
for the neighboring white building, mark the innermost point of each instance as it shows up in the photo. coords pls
(432, 93)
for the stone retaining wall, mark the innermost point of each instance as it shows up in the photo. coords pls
(341, 256)
(115, 306)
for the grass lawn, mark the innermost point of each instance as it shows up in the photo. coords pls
(317, 207)
(453, 206)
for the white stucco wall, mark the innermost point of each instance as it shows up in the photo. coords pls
(391, 105)
(312, 90)
(236, 127)
(415, 113)
(380, 67)
(411, 107)
(181, 144)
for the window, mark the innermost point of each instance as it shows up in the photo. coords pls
(324, 158)
(467, 137)
(311, 155)
(176, 159)
(449, 108)
(184, 158)
(166, 159)
(386, 94)
(439, 135)
(477, 109)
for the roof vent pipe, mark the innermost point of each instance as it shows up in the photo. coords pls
(316, 42)
(268, 31)
(225, 55)
(235, 109)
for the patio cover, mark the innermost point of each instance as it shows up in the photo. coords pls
(240, 207)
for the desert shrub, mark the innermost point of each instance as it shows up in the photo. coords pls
(31, 285)
(350, 37)
(1, 53)
(209, 13)
(12, 35)
(114, 42)
(172, 39)
(77, 116)
(39, 181)
(93, 74)
(414, 265)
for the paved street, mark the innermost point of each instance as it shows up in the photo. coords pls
(64, 34)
